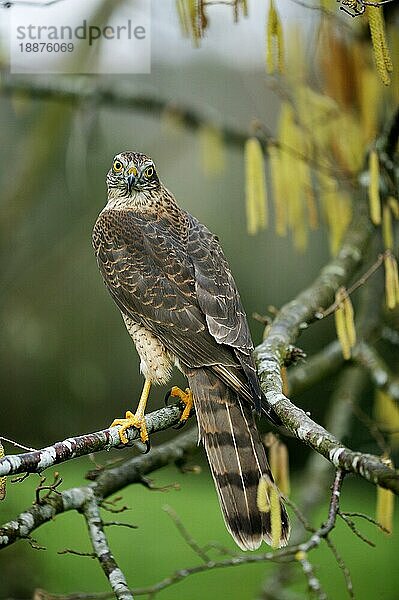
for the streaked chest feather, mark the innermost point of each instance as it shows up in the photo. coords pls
(156, 362)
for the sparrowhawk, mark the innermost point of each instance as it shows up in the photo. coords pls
(172, 283)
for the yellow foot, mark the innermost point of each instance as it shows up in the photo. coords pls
(187, 399)
(131, 420)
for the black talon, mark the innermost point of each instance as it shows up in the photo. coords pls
(180, 425)
(147, 446)
(168, 395)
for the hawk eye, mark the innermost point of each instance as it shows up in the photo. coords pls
(149, 172)
(117, 166)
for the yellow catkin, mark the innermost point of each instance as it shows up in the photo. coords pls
(385, 503)
(337, 209)
(344, 322)
(391, 281)
(276, 525)
(369, 101)
(190, 19)
(278, 185)
(279, 464)
(294, 170)
(262, 494)
(387, 230)
(341, 333)
(384, 509)
(275, 42)
(196, 31)
(212, 150)
(385, 48)
(315, 112)
(347, 147)
(244, 7)
(374, 188)
(255, 185)
(386, 413)
(268, 500)
(382, 56)
(339, 216)
(394, 206)
(296, 65)
(2, 479)
(181, 8)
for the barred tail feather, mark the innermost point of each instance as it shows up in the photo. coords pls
(236, 457)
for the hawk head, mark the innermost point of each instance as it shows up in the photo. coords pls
(131, 173)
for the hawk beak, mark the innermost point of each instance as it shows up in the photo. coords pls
(130, 180)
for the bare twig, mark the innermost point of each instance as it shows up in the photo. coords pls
(366, 518)
(119, 524)
(77, 553)
(11, 3)
(16, 444)
(355, 530)
(360, 282)
(190, 541)
(102, 551)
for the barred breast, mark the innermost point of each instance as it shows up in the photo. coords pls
(156, 362)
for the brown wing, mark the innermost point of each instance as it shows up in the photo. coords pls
(151, 278)
(176, 282)
(220, 301)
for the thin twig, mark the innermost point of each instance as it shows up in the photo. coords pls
(17, 444)
(190, 541)
(361, 281)
(352, 527)
(366, 518)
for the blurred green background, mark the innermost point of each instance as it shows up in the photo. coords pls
(67, 364)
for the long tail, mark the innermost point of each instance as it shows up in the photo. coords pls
(236, 457)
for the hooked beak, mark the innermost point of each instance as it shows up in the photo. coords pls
(132, 176)
(130, 180)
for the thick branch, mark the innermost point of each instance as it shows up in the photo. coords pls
(37, 461)
(107, 482)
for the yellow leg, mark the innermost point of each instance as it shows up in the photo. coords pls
(137, 419)
(187, 399)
